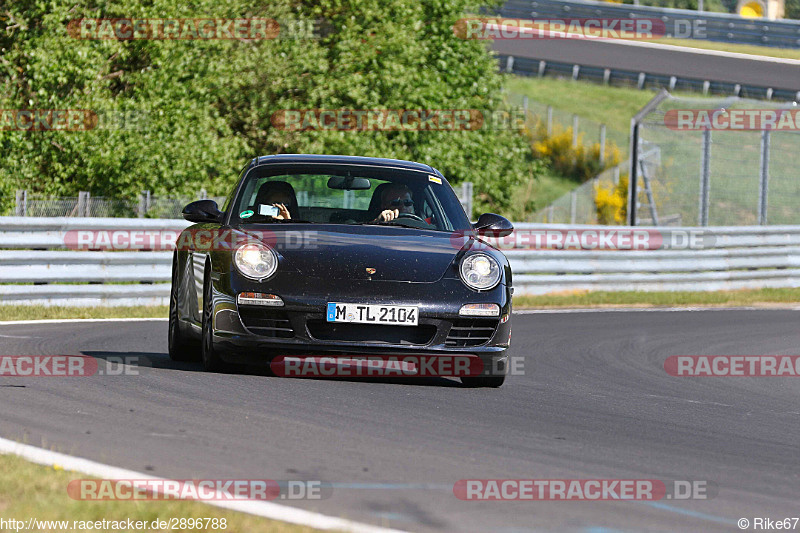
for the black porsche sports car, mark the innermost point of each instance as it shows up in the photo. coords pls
(339, 256)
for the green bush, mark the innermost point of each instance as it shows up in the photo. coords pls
(792, 8)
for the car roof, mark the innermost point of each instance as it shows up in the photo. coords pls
(344, 160)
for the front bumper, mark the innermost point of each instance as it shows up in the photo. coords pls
(247, 334)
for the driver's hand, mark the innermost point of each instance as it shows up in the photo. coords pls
(283, 212)
(387, 215)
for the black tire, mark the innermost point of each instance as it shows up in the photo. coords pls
(483, 381)
(181, 347)
(211, 359)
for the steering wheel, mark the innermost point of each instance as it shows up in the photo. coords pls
(411, 216)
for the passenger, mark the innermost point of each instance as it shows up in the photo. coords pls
(278, 194)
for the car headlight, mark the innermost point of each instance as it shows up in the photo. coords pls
(480, 272)
(255, 261)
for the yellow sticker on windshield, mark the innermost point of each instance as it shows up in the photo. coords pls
(435, 179)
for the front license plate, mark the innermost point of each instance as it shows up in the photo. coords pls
(397, 315)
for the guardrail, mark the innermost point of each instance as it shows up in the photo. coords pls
(32, 251)
(731, 258)
(681, 23)
(51, 232)
(524, 66)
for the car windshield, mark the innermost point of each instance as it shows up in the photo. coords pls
(343, 194)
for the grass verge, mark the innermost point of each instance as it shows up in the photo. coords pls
(612, 106)
(659, 299)
(535, 194)
(29, 490)
(750, 49)
(40, 312)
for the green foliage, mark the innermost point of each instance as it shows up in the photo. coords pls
(207, 104)
(186, 142)
(792, 8)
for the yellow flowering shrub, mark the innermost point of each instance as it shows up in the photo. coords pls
(579, 163)
(612, 202)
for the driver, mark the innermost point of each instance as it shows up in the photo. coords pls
(396, 199)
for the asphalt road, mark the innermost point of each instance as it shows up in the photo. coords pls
(658, 60)
(595, 402)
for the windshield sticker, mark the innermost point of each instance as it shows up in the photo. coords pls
(246, 214)
(435, 179)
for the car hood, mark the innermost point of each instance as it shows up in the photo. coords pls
(347, 252)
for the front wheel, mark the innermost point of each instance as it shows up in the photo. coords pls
(211, 359)
(483, 381)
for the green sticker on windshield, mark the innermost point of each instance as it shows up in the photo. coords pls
(246, 214)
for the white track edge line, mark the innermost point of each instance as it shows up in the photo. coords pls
(269, 510)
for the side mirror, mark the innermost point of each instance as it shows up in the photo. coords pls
(202, 211)
(493, 225)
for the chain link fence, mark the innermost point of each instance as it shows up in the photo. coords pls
(700, 162)
(85, 205)
(580, 206)
(584, 131)
(716, 162)
(577, 206)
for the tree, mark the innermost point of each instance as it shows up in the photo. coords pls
(207, 104)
